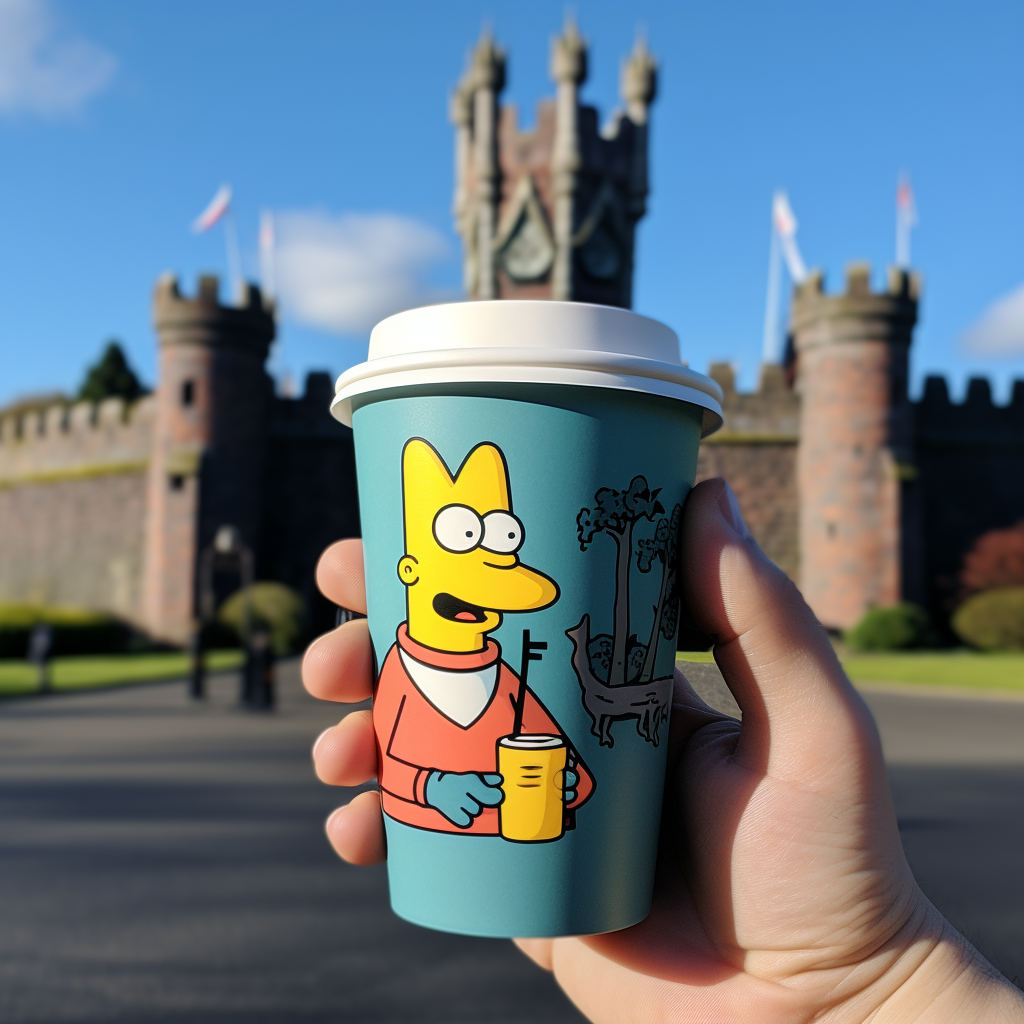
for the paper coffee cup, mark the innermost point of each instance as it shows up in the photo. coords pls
(521, 469)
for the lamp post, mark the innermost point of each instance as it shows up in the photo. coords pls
(227, 553)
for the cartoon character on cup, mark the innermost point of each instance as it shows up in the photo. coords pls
(465, 746)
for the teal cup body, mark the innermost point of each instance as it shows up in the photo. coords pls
(520, 548)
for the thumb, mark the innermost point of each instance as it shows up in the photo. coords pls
(485, 792)
(798, 706)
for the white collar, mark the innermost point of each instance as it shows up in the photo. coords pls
(459, 695)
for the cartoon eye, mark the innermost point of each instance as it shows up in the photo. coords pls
(503, 533)
(458, 528)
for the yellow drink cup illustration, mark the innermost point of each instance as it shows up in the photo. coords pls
(533, 768)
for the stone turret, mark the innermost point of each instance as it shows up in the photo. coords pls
(206, 470)
(551, 213)
(855, 456)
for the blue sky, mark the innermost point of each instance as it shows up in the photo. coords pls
(119, 119)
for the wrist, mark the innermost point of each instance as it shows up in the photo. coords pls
(937, 978)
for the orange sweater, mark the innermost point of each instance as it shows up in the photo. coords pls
(414, 738)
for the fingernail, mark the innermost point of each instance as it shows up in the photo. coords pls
(730, 509)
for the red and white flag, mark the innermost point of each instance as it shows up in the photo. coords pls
(783, 216)
(906, 219)
(905, 204)
(785, 226)
(218, 206)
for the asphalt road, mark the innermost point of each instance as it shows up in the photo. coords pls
(162, 861)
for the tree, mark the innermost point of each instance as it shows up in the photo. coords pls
(111, 377)
(615, 514)
(663, 546)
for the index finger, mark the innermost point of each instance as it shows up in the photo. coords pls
(339, 574)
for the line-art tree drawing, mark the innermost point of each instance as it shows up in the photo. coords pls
(616, 513)
(615, 672)
(663, 547)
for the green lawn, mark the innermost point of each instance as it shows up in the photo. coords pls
(1004, 671)
(96, 670)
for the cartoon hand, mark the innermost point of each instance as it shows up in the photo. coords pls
(460, 797)
(569, 780)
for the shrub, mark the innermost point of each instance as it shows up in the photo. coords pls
(890, 629)
(992, 620)
(995, 560)
(273, 607)
(75, 630)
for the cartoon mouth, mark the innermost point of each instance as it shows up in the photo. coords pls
(450, 607)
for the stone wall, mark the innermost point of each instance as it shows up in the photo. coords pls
(763, 477)
(311, 493)
(969, 474)
(73, 503)
(755, 451)
(74, 540)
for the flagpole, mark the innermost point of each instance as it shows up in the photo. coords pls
(769, 346)
(234, 253)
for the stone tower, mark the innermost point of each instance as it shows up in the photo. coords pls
(207, 463)
(550, 213)
(855, 456)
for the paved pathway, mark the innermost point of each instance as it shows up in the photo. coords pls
(164, 862)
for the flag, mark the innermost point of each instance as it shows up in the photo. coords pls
(784, 221)
(782, 215)
(906, 207)
(219, 205)
(906, 219)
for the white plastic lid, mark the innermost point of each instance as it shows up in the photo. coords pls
(532, 341)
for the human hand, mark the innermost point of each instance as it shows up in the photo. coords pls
(460, 797)
(782, 892)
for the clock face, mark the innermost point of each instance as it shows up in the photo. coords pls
(600, 254)
(529, 253)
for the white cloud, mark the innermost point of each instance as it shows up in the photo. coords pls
(346, 273)
(45, 68)
(1000, 331)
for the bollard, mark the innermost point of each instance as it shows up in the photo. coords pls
(197, 664)
(40, 646)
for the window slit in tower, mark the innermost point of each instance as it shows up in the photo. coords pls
(188, 392)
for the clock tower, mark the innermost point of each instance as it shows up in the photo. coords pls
(551, 213)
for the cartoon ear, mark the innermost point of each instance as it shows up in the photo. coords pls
(423, 471)
(483, 476)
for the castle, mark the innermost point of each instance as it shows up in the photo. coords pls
(109, 506)
(860, 494)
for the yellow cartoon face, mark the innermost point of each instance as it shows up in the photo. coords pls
(461, 565)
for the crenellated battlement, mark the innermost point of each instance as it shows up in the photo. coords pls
(977, 420)
(75, 439)
(307, 416)
(856, 313)
(202, 319)
(768, 415)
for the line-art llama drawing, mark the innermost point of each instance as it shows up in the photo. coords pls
(616, 672)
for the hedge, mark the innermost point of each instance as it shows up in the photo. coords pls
(894, 628)
(75, 630)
